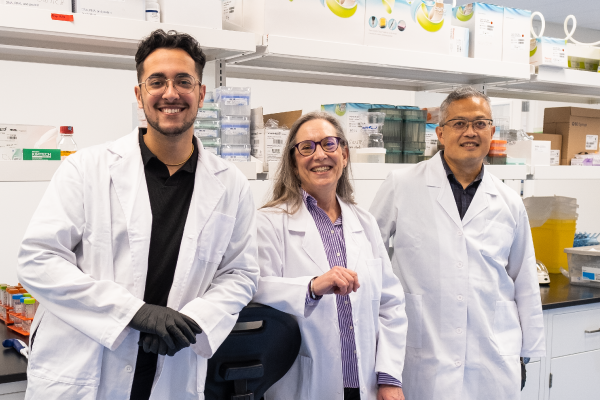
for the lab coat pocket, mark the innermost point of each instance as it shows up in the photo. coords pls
(215, 236)
(414, 313)
(375, 277)
(497, 241)
(508, 335)
(65, 355)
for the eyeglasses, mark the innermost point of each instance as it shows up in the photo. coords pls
(460, 125)
(157, 85)
(308, 147)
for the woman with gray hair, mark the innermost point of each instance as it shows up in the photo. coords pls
(323, 261)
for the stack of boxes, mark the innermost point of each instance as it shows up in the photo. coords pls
(234, 104)
(207, 127)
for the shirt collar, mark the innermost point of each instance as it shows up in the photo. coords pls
(450, 173)
(311, 205)
(147, 155)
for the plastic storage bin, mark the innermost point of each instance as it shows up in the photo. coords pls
(207, 129)
(213, 147)
(584, 265)
(371, 155)
(392, 133)
(413, 132)
(235, 130)
(209, 111)
(237, 153)
(233, 101)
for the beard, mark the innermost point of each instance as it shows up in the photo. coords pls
(170, 132)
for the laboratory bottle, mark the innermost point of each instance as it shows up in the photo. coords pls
(152, 11)
(66, 144)
(29, 307)
(2, 293)
(16, 303)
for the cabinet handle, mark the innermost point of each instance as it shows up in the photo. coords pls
(596, 331)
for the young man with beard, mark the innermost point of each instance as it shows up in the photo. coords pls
(140, 249)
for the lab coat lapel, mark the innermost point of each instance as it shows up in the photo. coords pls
(352, 231)
(436, 176)
(128, 178)
(302, 221)
(481, 199)
(208, 190)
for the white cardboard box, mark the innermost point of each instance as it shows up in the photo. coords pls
(352, 116)
(64, 6)
(516, 35)
(326, 20)
(202, 13)
(485, 23)
(535, 152)
(416, 26)
(459, 41)
(13, 137)
(130, 9)
(548, 51)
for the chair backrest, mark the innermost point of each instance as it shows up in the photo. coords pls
(257, 353)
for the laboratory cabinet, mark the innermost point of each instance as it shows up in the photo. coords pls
(576, 376)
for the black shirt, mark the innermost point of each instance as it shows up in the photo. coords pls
(463, 197)
(170, 198)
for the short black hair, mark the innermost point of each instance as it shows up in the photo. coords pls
(160, 39)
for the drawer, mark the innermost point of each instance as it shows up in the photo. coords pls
(573, 333)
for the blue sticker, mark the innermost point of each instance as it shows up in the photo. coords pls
(589, 276)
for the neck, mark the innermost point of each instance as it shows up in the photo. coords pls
(465, 172)
(327, 201)
(170, 149)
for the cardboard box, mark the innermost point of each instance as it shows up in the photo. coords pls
(555, 145)
(410, 25)
(459, 41)
(548, 51)
(535, 152)
(352, 116)
(516, 35)
(485, 22)
(203, 13)
(268, 143)
(326, 20)
(14, 138)
(579, 128)
(62, 6)
(130, 9)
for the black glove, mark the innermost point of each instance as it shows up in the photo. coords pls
(151, 343)
(523, 374)
(169, 325)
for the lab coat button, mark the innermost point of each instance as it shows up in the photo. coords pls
(458, 330)
(458, 363)
(459, 297)
(459, 233)
(129, 368)
(459, 265)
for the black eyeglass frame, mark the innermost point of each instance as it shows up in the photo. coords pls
(470, 122)
(338, 140)
(197, 82)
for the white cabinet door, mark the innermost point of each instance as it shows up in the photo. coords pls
(576, 376)
(575, 332)
(531, 391)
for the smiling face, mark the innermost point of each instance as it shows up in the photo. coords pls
(171, 113)
(470, 147)
(319, 173)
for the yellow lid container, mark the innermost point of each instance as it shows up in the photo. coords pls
(550, 241)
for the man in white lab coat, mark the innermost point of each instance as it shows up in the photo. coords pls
(140, 248)
(464, 254)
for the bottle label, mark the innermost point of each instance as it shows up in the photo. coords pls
(65, 153)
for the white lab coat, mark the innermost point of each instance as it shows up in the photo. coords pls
(472, 296)
(291, 253)
(85, 258)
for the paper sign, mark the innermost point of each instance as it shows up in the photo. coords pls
(591, 142)
(590, 274)
(61, 17)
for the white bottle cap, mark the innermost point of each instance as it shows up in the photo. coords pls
(152, 5)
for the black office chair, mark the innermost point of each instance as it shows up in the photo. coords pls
(257, 353)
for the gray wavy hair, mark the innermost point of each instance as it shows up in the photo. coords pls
(286, 189)
(464, 92)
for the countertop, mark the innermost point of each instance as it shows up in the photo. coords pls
(560, 293)
(13, 366)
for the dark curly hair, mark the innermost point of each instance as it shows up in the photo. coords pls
(160, 39)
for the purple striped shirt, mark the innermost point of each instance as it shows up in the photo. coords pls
(332, 236)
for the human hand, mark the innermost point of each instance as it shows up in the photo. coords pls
(174, 328)
(151, 343)
(337, 280)
(390, 392)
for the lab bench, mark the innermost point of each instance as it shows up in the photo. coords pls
(571, 367)
(13, 368)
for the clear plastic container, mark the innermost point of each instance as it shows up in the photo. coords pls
(14, 301)
(30, 308)
(370, 155)
(207, 129)
(210, 111)
(2, 293)
(213, 148)
(235, 130)
(66, 143)
(413, 133)
(584, 265)
(234, 101)
(238, 153)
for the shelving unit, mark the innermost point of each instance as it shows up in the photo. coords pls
(32, 36)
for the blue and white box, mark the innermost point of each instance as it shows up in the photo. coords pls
(549, 51)
(516, 33)
(485, 23)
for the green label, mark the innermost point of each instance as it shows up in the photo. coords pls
(41, 154)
